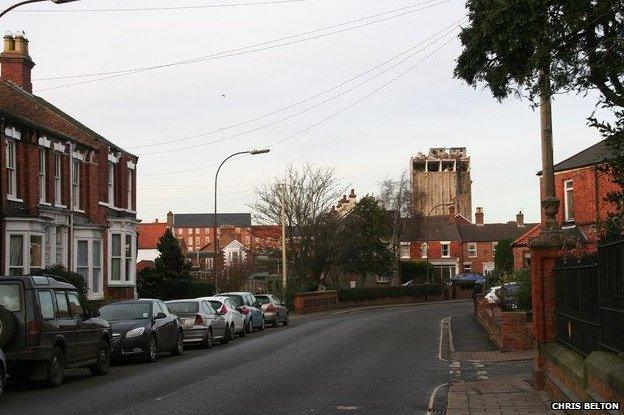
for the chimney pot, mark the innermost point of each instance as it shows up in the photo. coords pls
(9, 42)
(452, 212)
(170, 219)
(352, 194)
(15, 64)
(520, 219)
(479, 216)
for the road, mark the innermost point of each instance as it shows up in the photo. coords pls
(369, 362)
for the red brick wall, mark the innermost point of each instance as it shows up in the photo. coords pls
(484, 254)
(315, 301)
(508, 330)
(435, 250)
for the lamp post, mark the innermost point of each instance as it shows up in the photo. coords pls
(215, 222)
(22, 3)
(284, 265)
(427, 239)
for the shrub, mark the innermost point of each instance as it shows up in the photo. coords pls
(415, 270)
(373, 293)
(465, 284)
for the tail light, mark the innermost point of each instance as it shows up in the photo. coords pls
(244, 310)
(34, 332)
(223, 310)
(199, 320)
(271, 308)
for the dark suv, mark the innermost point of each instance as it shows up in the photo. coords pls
(44, 329)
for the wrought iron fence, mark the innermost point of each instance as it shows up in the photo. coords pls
(590, 300)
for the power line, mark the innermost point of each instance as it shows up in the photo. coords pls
(179, 140)
(335, 114)
(332, 98)
(164, 8)
(235, 52)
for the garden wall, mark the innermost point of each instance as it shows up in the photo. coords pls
(509, 330)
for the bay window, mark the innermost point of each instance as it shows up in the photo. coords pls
(122, 259)
(89, 262)
(25, 253)
(16, 255)
(116, 257)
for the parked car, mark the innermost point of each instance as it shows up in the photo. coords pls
(143, 328)
(234, 320)
(44, 329)
(247, 304)
(492, 295)
(470, 276)
(200, 321)
(511, 291)
(274, 311)
(3, 372)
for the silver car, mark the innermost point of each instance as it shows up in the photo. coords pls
(235, 321)
(201, 323)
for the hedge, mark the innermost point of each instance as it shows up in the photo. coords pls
(373, 293)
(465, 284)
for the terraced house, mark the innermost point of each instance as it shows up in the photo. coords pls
(68, 194)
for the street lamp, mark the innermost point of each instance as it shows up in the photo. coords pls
(427, 237)
(22, 3)
(214, 223)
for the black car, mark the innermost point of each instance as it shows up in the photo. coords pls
(143, 328)
(44, 329)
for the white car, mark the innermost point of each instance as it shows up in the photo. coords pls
(235, 321)
(492, 295)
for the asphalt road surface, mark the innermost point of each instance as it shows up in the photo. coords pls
(369, 362)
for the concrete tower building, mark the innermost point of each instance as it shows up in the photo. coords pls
(441, 176)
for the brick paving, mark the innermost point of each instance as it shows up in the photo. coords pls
(493, 356)
(495, 397)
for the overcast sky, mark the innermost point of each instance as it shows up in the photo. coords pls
(365, 143)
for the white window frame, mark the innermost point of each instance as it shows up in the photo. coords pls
(90, 237)
(130, 205)
(190, 241)
(75, 181)
(43, 153)
(472, 250)
(402, 248)
(568, 187)
(111, 184)
(180, 231)
(469, 265)
(58, 179)
(26, 258)
(11, 155)
(382, 279)
(494, 246)
(424, 250)
(125, 280)
(446, 244)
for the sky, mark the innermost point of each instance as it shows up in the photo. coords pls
(366, 129)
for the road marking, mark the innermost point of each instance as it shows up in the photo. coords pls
(432, 398)
(346, 408)
(441, 337)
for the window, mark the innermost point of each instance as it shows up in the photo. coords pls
(59, 247)
(116, 257)
(488, 267)
(247, 240)
(96, 267)
(472, 250)
(75, 309)
(11, 296)
(47, 305)
(11, 168)
(207, 230)
(382, 280)
(234, 257)
(82, 260)
(196, 230)
(111, 183)
(16, 255)
(128, 258)
(526, 260)
(257, 240)
(130, 186)
(61, 305)
(180, 231)
(424, 251)
(494, 245)
(76, 185)
(58, 181)
(568, 198)
(197, 240)
(467, 267)
(446, 249)
(405, 250)
(43, 154)
(190, 241)
(36, 252)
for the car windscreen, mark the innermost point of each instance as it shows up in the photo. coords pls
(237, 300)
(126, 311)
(215, 304)
(180, 308)
(262, 299)
(10, 296)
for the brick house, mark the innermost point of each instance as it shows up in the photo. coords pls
(68, 194)
(581, 184)
(455, 244)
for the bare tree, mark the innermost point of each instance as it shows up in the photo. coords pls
(309, 193)
(236, 275)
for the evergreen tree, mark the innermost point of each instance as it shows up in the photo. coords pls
(503, 258)
(171, 263)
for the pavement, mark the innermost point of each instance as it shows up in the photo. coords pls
(374, 361)
(484, 381)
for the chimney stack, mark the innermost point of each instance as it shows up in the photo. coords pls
(479, 217)
(520, 219)
(170, 219)
(15, 63)
(352, 194)
(452, 212)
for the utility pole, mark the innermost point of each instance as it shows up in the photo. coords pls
(284, 282)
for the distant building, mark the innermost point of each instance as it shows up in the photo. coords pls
(345, 204)
(441, 176)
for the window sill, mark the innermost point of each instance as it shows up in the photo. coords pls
(78, 210)
(14, 199)
(45, 203)
(92, 297)
(58, 205)
(118, 284)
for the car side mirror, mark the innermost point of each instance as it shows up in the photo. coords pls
(160, 315)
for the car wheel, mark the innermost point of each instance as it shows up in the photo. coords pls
(179, 347)
(261, 327)
(285, 323)
(8, 326)
(232, 332)
(208, 340)
(152, 350)
(103, 359)
(226, 335)
(244, 331)
(55, 368)
(247, 327)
